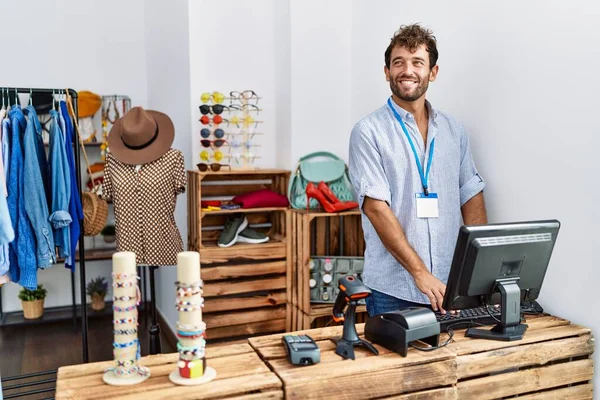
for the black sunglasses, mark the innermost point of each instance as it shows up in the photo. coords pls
(212, 109)
(203, 167)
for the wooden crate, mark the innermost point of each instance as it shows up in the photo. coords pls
(320, 234)
(240, 374)
(553, 361)
(246, 286)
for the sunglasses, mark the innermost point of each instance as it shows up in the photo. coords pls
(217, 119)
(216, 143)
(252, 106)
(212, 109)
(219, 133)
(236, 142)
(205, 155)
(216, 167)
(245, 95)
(216, 97)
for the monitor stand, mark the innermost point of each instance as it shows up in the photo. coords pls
(510, 327)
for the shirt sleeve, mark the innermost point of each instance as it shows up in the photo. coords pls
(107, 188)
(471, 182)
(179, 178)
(366, 167)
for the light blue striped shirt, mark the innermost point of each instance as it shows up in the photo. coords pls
(382, 166)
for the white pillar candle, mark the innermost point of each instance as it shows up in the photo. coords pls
(125, 272)
(188, 273)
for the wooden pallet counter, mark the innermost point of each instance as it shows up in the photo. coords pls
(553, 361)
(240, 374)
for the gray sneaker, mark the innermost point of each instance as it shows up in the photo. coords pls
(251, 236)
(233, 226)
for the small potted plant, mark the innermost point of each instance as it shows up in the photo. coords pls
(33, 302)
(97, 289)
(108, 233)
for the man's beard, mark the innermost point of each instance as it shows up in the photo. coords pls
(416, 94)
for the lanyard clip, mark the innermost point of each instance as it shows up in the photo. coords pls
(426, 191)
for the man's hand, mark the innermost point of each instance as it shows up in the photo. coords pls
(433, 288)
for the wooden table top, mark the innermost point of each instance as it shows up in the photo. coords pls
(553, 360)
(240, 372)
(446, 373)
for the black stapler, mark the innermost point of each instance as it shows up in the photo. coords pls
(394, 330)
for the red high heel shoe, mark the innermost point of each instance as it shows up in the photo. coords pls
(324, 188)
(313, 192)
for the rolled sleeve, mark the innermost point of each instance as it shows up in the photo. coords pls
(60, 219)
(366, 167)
(471, 182)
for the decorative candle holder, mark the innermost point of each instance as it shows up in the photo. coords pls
(191, 330)
(126, 344)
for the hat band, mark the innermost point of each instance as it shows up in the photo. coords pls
(142, 146)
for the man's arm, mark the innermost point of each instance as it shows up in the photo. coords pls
(392, 236)
(473, 211)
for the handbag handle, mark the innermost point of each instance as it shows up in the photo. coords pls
(74, 118)
(319, 154)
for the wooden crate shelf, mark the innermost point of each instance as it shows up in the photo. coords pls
(246, 286)
(310, 232)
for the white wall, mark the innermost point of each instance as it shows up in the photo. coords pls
(522, 77)
(84, 45)
(231, 51)
(167, 51)
(321, 88)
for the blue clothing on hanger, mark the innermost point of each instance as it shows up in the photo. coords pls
(6, 128)
(7, 233)
(5, 132)
(22, 252)
(36, 203)
(61, 187)
(75, 208)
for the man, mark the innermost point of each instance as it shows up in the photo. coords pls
(412, 169)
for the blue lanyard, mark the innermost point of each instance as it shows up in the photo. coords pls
(424, 177)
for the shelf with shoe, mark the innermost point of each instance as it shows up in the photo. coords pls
(319, 233)
(245, 253)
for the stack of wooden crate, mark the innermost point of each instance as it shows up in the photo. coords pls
(246, 286)
(321, 234)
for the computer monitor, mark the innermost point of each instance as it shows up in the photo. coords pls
(500, 264)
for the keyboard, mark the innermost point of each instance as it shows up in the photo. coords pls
(480, 316)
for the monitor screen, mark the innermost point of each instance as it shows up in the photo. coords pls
(485, 254)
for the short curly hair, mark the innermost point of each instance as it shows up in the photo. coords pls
(411, 37)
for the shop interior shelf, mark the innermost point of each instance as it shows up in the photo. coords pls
(244, 210)
(52, 314)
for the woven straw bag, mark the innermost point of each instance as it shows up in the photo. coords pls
(95, 209)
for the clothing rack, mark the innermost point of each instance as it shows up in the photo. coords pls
(84, 318)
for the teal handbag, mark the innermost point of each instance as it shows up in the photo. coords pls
(329, 168)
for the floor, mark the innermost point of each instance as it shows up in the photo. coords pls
(35, 348)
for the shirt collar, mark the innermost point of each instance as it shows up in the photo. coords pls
(405, 114)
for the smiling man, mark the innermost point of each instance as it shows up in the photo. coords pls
(416, 181)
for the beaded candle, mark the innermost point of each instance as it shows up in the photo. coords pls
(191, 368)
(126, 345)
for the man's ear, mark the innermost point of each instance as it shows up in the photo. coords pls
(433, 73)
(386, 71)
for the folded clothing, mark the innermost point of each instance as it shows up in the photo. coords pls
(261, 198)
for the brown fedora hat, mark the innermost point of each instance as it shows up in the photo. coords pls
(141, 136)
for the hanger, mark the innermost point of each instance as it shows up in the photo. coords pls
(4, 108)
(30, 97)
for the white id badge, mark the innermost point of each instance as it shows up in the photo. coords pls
(427, 206)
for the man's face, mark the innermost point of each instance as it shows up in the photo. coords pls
(409, 73)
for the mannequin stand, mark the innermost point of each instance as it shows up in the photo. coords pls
(155, 347)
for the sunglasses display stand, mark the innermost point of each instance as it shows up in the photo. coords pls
(242, 111)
